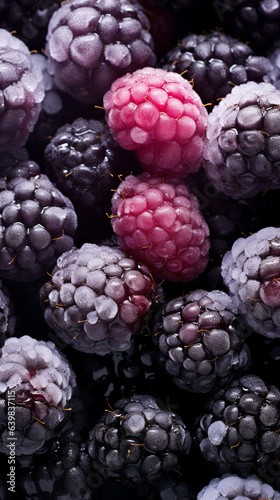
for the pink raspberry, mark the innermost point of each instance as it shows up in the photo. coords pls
(160, 225)
(158, 114)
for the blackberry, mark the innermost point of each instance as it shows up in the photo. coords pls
(238, 430)
(159, 115)
(63, 472)
(251, 272)
(86, 164)
(258, 22)
(215, 62)
(241, 152)
(21, 92)
(29, 18)
(159, 224)
(37, 223)
(138, 441)
(199, 340)
(232, 487)
(90, 44)
(98, 298)
(36, 384)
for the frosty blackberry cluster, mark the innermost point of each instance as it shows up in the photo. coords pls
(37, 224)
(199, 341)
(241, 151)
(37, 378)
(138, 441)
(21, 92)
(238, 430)
(251, 271)
(97, 298)
(215, 63)
(90, 44)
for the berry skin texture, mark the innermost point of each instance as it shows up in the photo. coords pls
(238, 431)
(241, 153)
(159, 224)
(251, 271)
(91, 43)
(159, 115)
(97, 298)
(138, 442)
(199, 341)
(21, 92)
(38, 379)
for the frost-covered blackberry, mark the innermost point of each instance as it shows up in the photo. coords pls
(90, 44)
(97, 298)
(86, 164)
(36, 385)
(241, 154)
(37, 223)
(251, 271)
(138, 441)
(21, 92)
(232, 487)
(215, 62)
(238, 430)
(199, 340)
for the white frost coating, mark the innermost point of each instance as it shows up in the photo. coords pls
(106, 308)
(209, 493)
(217, 432)
(40, 365)
(231, 486)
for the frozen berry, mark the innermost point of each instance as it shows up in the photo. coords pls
(242, 152)
(138, 441)
(251, 271)
(159, 115)
(200, 341)
(86, 164)
(215, 62)
(97, 298)
(234, 487)
(159, 224)
(36, 384)
(21, 92)
(90, 44)
(238, 431)
(37, 223)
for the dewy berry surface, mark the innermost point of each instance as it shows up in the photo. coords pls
(159, 115)
(160, 224)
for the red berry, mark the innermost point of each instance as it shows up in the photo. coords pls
(159, 224)
(158, 114)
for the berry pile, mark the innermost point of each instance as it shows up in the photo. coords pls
(139, 250)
